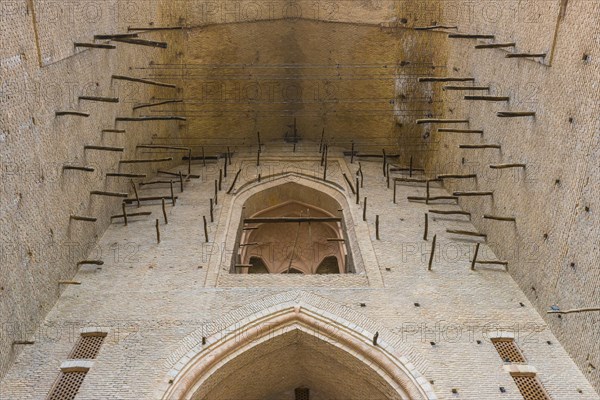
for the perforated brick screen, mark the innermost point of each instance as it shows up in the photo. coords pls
(508, 351)
(530, 387)
(87, 348)
(67, 386)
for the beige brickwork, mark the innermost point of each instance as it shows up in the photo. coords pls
(348, 69)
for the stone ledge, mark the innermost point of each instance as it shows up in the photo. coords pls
(76, 366)
(87, 332)
(520, 369)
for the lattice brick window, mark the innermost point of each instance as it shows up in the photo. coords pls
(508, 350)
(530, 387)
(67, 385)
(88, 346)
(302, 394)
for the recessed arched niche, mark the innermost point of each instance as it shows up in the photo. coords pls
(292, 229)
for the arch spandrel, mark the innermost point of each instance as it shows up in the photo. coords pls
(230, 355)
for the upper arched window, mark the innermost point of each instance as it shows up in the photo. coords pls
(292, 229)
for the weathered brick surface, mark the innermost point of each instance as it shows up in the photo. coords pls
(157, 298)
(158, 302)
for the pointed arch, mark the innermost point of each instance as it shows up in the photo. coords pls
(193, 377)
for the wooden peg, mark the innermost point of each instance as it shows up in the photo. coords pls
(444, 212)
(234, 181)
(365, 210)
(145, 81)
(466, 233)
(164, 210)
(212, 206)
(75, 113)
(258, 158)
(526, 55)
(90, 262)
(158, 28)
(142, 42)
(461, 88)
(124, 212)
(114, 131)
(100, 99)
(229, 155)
(150, 118)
(495, 45)
(108, 194)
(375, 337)
(410, 170)
(225, 166)
(123, 175)
(75, 283)
(138, 214)
(487, 98)
(441, 121)
(377, 227)
(172, 193)
(216, 192)
(445, 79)
(149, 198)
(357, 191)
(479, 146)
(426, 234)
(506, 166)
(496, 218)
(457, 176)
(155, 146)
(220, 179)
(515, 114)
(147, 160)
(95, 45)
(181, 181)
(135, 192)
(432, 253)
(469, 36)
(394, 201)
(82, 218)
(116, 36)
(157, 231)
(349, 183)
(503, 263)
(104, 148)
(448, 130)
(205, 229)
(434, 198)
(472, 194)
(362, 176)
(23, 343)
(384, 163)
(475, 257)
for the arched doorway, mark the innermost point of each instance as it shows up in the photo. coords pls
(294, 348)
